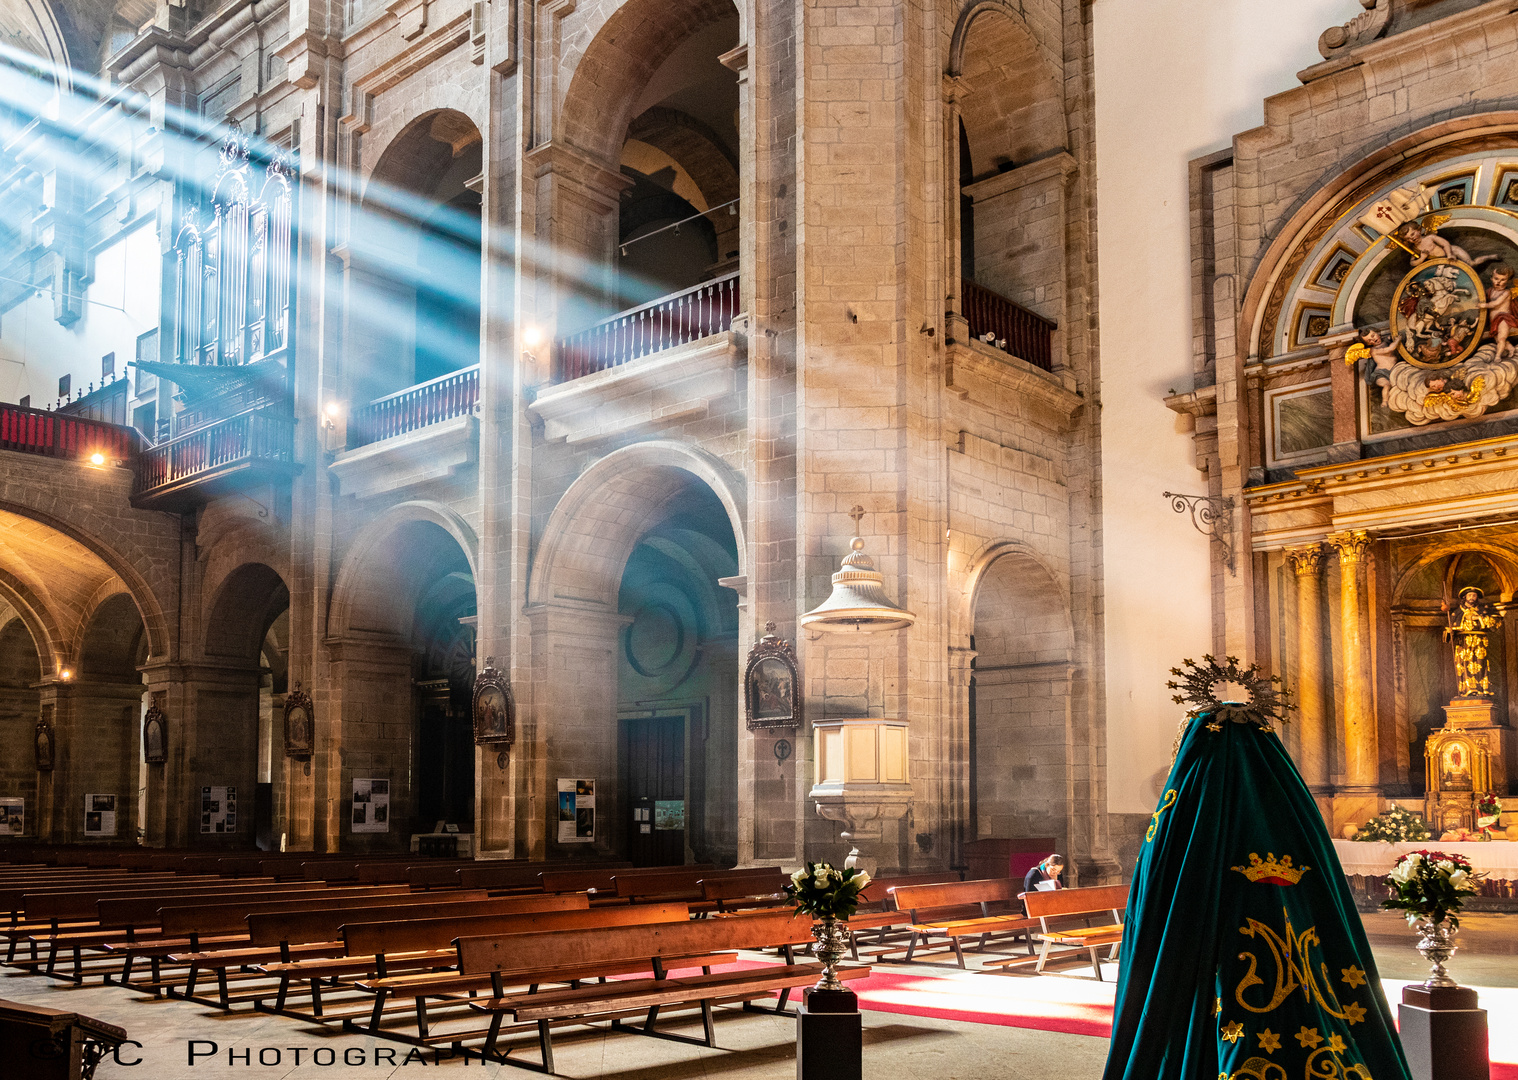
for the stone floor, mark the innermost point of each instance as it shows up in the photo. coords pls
(753, 1046)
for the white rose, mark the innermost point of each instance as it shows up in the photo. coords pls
(798, 877)
(1458, 878)
(861, 879)
(1446, 865)
(1400, 873)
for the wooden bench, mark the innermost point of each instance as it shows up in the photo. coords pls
(388, 943)
(878, 911)
(522, 875)
(743, 892)
(985, 909)
(600, 883)
(1106, 902)
(505, 960)
(679, 883)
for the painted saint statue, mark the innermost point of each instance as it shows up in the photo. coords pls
(1469, 627)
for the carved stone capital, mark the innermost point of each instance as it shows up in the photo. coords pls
(1353, 545)
(1307, 561)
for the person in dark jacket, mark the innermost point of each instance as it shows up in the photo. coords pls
(1049, 869)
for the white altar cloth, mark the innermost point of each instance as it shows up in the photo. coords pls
(1497, 859)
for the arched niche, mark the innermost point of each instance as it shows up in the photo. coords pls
(1020, 752)
(414, 258)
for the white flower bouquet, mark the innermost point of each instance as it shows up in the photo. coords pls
(1430, 885)
(1397, 826)
(824, 892)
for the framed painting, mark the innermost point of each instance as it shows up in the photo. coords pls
(44, 744)
(770, 684)
(300, 723)
(494, 709)
(155, 733)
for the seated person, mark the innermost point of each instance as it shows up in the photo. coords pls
(1049, 869)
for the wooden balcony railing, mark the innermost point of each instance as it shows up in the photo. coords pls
(697, 312)
(1013, 329)
(415, 407)
(254, 437)
(61, 435)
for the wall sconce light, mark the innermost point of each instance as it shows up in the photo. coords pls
(334, 431)
(97, 459)
(65, 675)
(531, 336)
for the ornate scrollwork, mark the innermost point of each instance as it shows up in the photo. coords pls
(300, 723)
(1267, 697)
(494, 709)
(770, 684)
(1212, 516)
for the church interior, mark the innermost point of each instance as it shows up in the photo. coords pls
(491, 486)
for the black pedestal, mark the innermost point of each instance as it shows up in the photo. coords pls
(1443, 1033)
(829, 1036)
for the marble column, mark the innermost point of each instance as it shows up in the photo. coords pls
(1359, 721)
(1314, 742)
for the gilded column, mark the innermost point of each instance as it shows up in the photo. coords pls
(1315, 756)
(1359, 723)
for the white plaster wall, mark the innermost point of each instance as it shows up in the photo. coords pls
(1175, 79)
(35, 350)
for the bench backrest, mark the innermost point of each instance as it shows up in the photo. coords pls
(327, 924)
(561, 949)
(955, 894)
(399, 870)
(680, 880)
(600, 879)
(217, 915)
(521, 873)
(1060, 902)
(377, 939)
(80, 904)
(735, 888)
(880, 890)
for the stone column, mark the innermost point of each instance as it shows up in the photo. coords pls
(1359, 720)
(1315, 744)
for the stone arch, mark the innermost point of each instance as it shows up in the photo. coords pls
(1503, 559)
(1321, 207)
(52, 648)
(618, 62)
(424, 147)
(372, 543)
(111, 646)
(1010, 87)
(595, 525)
(122, 559)
(243, 606)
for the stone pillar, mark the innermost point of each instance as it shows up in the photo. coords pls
(1358, 731)
(96, 751)
(1314, 740)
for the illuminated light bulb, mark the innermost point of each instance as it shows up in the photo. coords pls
(97, 458)
(531, 336)
(332, 409)
(65, 674)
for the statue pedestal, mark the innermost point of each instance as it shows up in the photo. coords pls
(1443, 1033)
(1469, 713)
(829, 1036)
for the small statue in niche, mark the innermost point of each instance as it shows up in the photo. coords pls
(1469, 627)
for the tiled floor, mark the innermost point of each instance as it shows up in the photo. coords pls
(753, 1046)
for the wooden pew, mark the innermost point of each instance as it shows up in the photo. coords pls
(985, 909)
(435, 939)
(512, 959)
(520, 874)
(286, 933)
(1059, 907)
(598, 881)
(22, 926)
(218, 919)
(420, 940)
(878, 911)
(743, 892)
(680, 883)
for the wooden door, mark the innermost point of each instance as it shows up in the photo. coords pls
(653, 790)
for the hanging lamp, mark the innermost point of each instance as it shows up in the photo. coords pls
(858, 601)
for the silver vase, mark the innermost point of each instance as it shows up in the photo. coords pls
(1436, 941)
(832, 938)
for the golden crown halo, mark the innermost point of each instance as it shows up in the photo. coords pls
(1269, 871)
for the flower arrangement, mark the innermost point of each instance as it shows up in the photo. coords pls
(1397, 826)
(1430, 885)
(823, 891)
(1488, 810)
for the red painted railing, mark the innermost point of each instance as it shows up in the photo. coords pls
(1013, 329)
(698, 312)
(35, 431)
(255, 436)
(415, 407)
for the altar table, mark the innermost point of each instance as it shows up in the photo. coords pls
(1497, 859)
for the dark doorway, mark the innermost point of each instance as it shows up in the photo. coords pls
(653, 774)
(445, 757)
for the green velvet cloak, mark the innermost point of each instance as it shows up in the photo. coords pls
(1234, 976)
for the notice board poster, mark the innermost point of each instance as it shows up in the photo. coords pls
(12, 817)
(371, 804)
(218, 809)
(100, 815)
(577, 811)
